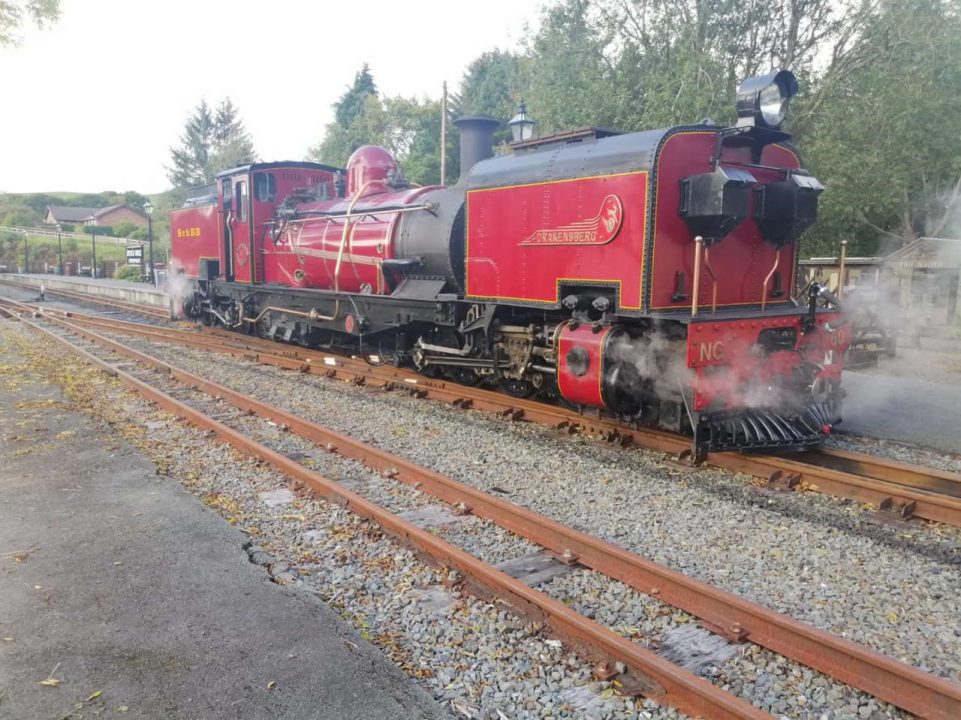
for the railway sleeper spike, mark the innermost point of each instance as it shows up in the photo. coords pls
(568, 557)
(606, 670)
(462, 509)
(781, 480)
(732, 632)
(895, 508)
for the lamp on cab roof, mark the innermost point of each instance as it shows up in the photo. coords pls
(762, 101)
(522, 127)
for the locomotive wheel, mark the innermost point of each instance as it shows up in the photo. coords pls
(518, 388)
(463, 376)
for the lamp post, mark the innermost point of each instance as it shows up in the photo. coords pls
(93, 237)
(26, 245)
(148, 209)
(59, 250)
(522, 127)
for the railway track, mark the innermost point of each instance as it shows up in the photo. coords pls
(726, 614)
(897, 490)
(154, 313)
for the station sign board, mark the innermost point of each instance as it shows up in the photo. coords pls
(135, 255)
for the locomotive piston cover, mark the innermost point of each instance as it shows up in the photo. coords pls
(612, 367)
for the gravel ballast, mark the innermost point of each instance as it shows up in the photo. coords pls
(823, 560)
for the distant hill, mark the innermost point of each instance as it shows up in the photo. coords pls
(28, 209)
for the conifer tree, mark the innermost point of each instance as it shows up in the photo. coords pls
(211, 142)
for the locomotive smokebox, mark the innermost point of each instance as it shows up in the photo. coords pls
(476, 140)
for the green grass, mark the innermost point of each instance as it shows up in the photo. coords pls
(44, 249)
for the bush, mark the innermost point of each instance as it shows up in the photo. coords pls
(124, 229)
(132, 273)
(139, 233)
(98, 230)
(23, 216)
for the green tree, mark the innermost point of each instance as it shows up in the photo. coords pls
(13, 13)
(22, 216)
(211, 142)
(407, 127)
(887, 136)
(353, 102)
(493, 84)
(231, 145)
(191, 161)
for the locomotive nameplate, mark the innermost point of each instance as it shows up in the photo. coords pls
(598, 230)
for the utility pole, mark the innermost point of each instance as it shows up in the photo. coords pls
(443, 136)
(148, 208)
(59, 250)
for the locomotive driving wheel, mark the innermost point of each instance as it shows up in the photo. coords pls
(517, 387)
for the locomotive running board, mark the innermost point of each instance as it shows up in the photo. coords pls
(761, 429)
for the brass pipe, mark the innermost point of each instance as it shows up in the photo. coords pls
(777, 260)
(343, 236)
(707, 266)
(844, 257)
(698, 246)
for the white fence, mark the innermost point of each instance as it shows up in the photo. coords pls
(52, 232)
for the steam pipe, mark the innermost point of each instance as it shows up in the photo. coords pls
(777, 260)
(707, 266)
(695, 291)
(844, 256)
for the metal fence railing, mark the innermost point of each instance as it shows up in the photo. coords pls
(52, 232)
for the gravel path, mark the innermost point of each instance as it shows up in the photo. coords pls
(823, 563)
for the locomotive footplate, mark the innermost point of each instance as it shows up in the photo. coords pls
(762, 428)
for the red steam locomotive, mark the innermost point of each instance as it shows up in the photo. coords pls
(647, 273)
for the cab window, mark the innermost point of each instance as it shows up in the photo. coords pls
(241, 200)
(265, 187)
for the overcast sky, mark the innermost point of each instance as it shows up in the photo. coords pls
(95, 101)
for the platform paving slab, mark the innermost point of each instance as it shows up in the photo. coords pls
(117, 581)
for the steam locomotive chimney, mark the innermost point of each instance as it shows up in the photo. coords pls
(476, 140)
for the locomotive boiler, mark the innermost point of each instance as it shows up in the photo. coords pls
(646, 274)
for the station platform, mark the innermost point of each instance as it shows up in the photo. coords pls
(120, 592)
(105, 287)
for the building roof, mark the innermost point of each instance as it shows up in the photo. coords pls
(828, 261)
(927, 252)
(63, 213)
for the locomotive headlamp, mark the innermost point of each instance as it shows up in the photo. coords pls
(522, 127)
(763, 100)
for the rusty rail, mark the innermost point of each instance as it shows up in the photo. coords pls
(657, 677)
(727, 614)
(904, 491)
(110, 303)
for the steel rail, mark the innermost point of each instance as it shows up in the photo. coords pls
(882, 468)
(883, 677)
(660, 679)
(908, 492)
(112, 303)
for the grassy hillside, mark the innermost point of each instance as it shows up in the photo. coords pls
(28, 209)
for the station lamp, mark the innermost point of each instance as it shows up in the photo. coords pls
(522, 127)
(763, 101)
(148, 210)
